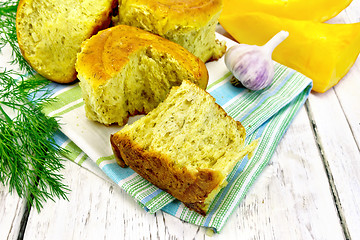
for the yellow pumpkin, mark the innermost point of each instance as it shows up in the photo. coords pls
(323, 52)
(314, 10)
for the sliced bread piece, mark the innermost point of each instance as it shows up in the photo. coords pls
(50, 33)
(187, 22)
(186, 146)
(125, 71)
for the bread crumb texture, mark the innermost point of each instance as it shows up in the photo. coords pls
(189, 23)
(50, 33)
(186, 146)
(124, 71)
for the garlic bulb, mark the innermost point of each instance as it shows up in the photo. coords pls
(252, 65)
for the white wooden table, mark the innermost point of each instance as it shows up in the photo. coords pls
(310, 190)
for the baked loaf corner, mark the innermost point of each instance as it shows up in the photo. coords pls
(125, 71)
(189, 23)
(186, 146)
(50, 33)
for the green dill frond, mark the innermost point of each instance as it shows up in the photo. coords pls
(30, 159)
(8, 8)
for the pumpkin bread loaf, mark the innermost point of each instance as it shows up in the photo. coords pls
(50, 33)
(125, 71)
(186, 146)
(190, 23)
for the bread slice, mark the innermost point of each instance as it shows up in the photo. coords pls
(125, 71)
(50, 33)
(188, 23)
(186, 146)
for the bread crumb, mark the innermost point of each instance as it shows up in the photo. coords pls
(210, 232)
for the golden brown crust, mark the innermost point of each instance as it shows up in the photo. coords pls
(116, 152)
(101, 23)
(188, 23)
(192, 13)
(105, 54)
(193, 178)
(190, 187)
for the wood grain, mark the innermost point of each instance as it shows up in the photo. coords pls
(310, 190)
(293, 191)
(12, 209)
(292, 197)
(98, 209)
(341, 156)
(336, 116)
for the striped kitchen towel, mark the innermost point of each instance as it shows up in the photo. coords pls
(265, 114)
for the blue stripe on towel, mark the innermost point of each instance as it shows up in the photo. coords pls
(225, 93)
(117, 173)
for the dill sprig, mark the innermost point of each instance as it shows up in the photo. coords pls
(30, 159)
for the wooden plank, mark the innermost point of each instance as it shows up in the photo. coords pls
(352, 13)
(340, 154)
(347, 89)
(336, 115)
(11, 212)
(292, 198)
(12, 208)
(347, 93)
(98, 209)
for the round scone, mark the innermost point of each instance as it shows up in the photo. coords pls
(190, 23)
(125, 71)
(50, 33)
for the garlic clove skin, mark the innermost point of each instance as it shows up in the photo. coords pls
(232, 54)
(252, 65)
